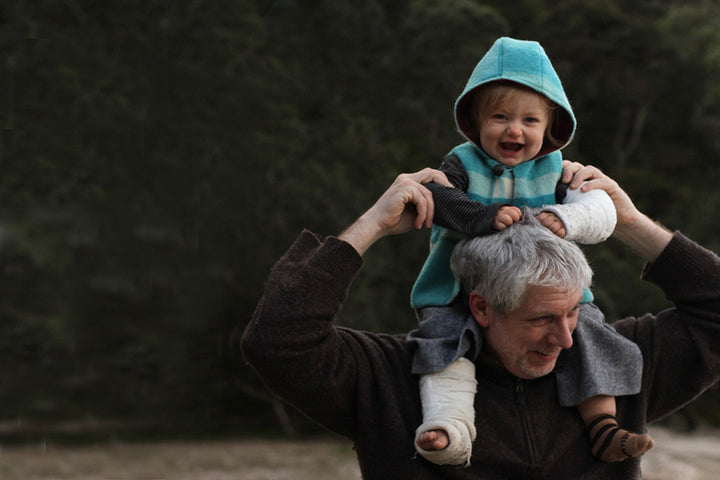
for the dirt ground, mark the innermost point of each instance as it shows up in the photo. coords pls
(193, 460)
(676, 456)
(692, 456)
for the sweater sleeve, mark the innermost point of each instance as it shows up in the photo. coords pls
(681, 345)
(293, 345)
(454, 209)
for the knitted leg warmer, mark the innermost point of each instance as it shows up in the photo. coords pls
(610, 443)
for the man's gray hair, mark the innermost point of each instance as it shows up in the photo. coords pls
(501, 266)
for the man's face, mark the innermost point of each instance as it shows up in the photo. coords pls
(528, 340)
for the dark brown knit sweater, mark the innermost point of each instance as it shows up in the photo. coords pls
(358, 384)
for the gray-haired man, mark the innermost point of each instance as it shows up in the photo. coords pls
(359, 384)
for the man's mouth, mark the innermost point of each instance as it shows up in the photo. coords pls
(513, 147)
(546, 357)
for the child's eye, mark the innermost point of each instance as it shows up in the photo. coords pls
(498, 116)
(532, 119)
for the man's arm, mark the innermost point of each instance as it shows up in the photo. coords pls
(406, 204)
(679, 345)
(291, 341)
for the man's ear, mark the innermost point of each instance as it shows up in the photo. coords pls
(480, 309)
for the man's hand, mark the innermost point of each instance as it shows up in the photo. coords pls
(550, 221)
(588, 178)
(569, 169)
(406, 204)
(506, 216)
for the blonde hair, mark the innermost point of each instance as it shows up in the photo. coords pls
(490, 96)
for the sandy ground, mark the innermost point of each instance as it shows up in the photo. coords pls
(676, 456)
(694, 456)
(195, 460)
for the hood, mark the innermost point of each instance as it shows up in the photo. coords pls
(524, 62)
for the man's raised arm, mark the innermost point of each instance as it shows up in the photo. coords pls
(681, 358)
(292, 342)
(404, 205)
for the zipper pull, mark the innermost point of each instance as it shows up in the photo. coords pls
(519, 389)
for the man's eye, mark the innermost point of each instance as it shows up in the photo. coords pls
(539, 321)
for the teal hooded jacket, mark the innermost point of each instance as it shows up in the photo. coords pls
(530, 183)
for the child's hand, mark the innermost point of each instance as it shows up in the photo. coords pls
(552, 223)
(505, 217)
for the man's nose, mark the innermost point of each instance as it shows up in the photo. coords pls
(561, 334)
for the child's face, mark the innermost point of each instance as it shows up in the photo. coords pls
(513, 132)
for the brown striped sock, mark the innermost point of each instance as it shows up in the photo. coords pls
(610, 443)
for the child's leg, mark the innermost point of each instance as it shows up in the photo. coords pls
(448, 428)
(608, 441)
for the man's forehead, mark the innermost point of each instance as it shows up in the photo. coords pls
(539, 297)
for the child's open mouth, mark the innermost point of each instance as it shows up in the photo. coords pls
(513, 147)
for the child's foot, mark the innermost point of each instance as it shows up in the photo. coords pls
(610, 443)
(433, 440)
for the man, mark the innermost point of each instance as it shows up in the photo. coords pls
(358, 384)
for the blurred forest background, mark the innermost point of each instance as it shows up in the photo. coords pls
(157, 157)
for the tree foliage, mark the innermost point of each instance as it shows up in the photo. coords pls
(158, 157)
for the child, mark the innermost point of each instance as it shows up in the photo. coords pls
(516, 116)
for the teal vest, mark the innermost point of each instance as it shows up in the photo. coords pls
(530, 184)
